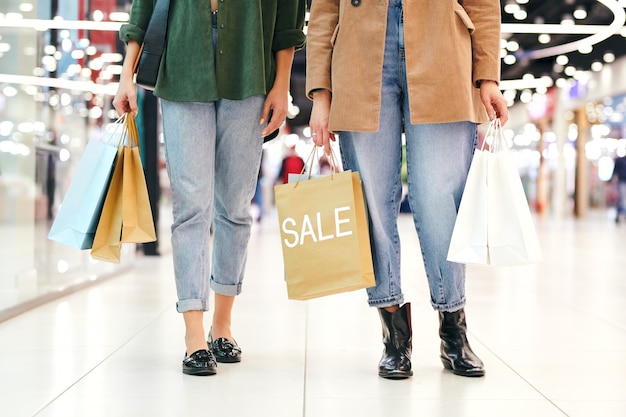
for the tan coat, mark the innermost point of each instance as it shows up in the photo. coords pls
(450, 46)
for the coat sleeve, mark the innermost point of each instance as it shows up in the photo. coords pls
(323, 25)
(485, 14)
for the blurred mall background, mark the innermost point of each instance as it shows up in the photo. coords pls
(563, 73)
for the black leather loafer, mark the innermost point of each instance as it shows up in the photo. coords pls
(225, 351)
(201, 363)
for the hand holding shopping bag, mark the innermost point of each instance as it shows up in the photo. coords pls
(494, 225)
(126, 214)
(324, 235)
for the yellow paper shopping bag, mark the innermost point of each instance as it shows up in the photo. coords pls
(106, 244)
(324, 235)
(138, 224)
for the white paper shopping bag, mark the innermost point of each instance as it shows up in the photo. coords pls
(494, 225)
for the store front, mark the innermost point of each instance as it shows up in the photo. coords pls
(56, 86)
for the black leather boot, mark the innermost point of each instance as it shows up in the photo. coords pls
(456, 353)
(396, 360)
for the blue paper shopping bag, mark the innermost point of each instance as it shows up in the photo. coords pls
(76, 221)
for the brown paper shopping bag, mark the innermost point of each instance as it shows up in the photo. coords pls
(137, 224)
(106, 243)
(324, 235)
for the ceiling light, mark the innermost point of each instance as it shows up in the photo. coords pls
(522, 1)
(597, 66)
(608, 57)
(617, 25)
(512, 46)
(570, 71)
(9, 91)
(520, 14)
(526, 96)
(562, 60)
(511, 8)
(544, 38)
(567, 20)
(98, 15)
(119, 16)
(585, 49)
(580, 13)
(509, 94)
(510, 59)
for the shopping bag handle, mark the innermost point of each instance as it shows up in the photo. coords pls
(111, 130)
(131, 130)
(309, 163)
(494, 138)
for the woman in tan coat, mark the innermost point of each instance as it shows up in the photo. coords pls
(429, 69)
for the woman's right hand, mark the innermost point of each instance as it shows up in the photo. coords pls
(125, 99)
(319, 120)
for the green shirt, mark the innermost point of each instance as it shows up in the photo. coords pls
(243, 64)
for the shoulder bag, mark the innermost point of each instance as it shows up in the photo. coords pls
(149, 57)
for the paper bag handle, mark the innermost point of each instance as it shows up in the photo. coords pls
(309, 163)
(494, 138)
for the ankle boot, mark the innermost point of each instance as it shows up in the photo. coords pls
(456, 353)
(396, 360)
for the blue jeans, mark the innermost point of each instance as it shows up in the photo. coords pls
(213, 154)
(438, 159)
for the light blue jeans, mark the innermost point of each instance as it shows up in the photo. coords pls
(438, 159)
(213, 154)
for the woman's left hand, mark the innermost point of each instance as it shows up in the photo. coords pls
(276, 101)
(494, 101)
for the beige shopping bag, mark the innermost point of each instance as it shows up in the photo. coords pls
(137, 222)
(324, 235)
(107, 244)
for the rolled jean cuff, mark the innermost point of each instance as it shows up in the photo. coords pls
(183, 306)
(449, 307)
(387, 302)
(225, 289)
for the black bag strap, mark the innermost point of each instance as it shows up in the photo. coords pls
(154, 39)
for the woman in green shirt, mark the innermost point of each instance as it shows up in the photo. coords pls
(223, 85)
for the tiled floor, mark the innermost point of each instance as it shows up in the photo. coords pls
(553, 338)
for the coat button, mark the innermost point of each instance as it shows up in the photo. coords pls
(356, 3)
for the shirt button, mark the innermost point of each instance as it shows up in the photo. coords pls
(355, 3)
